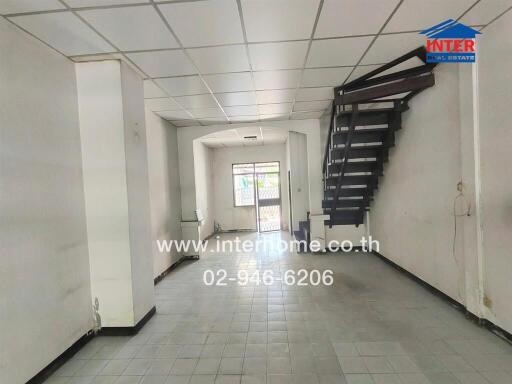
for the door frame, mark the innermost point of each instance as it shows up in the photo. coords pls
(256, 198)
(256, 189)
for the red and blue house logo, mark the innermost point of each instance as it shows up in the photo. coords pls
(450, 42)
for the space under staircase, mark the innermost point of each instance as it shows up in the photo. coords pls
(365, 115)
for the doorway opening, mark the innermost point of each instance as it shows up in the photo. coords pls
(258, 185)
(268, 193)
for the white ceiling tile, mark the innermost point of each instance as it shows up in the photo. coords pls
(151, 90)
(201, 23)
(307, 115)
(180, 86)
(270, 56)
(118, 26)
(337, 52)
(311, 105)
(239, 119)
(274, 117)
(203, 113)
(312, 94)
(390, 47)
(270, 109)
(230, 82)
(94, 3)
(163, 63)
(184, 123)
(485, 11)
(196, 101)
(174, 115)
(242, 110)
(271, 20)
(231, 58)
(65, 32)
(275, 96)
(351, 17)
(277, 79)
(415, 15)
(236, 98)
(161, 104)
(21, 6)
(323, 77)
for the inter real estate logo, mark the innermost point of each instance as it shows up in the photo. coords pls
(450, 42)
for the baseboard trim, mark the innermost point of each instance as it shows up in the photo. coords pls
(356, 249)
(173, 266)
(485, 323)
(161, 276)
(127, 331)
(51, 368)
(210, 236)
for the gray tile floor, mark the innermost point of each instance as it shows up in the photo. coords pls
(373, 326)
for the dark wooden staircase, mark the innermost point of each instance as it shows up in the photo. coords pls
(365, 115)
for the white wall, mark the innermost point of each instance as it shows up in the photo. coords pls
(298, 166)
(412, 212)
(495, 133)
(204, 192)
(225, 213)
(45, 301)
(457, 131)
(164, 187)
(114, 157)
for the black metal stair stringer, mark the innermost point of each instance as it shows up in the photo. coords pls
(361, 133)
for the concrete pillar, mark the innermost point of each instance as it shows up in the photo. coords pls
(114, 156)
